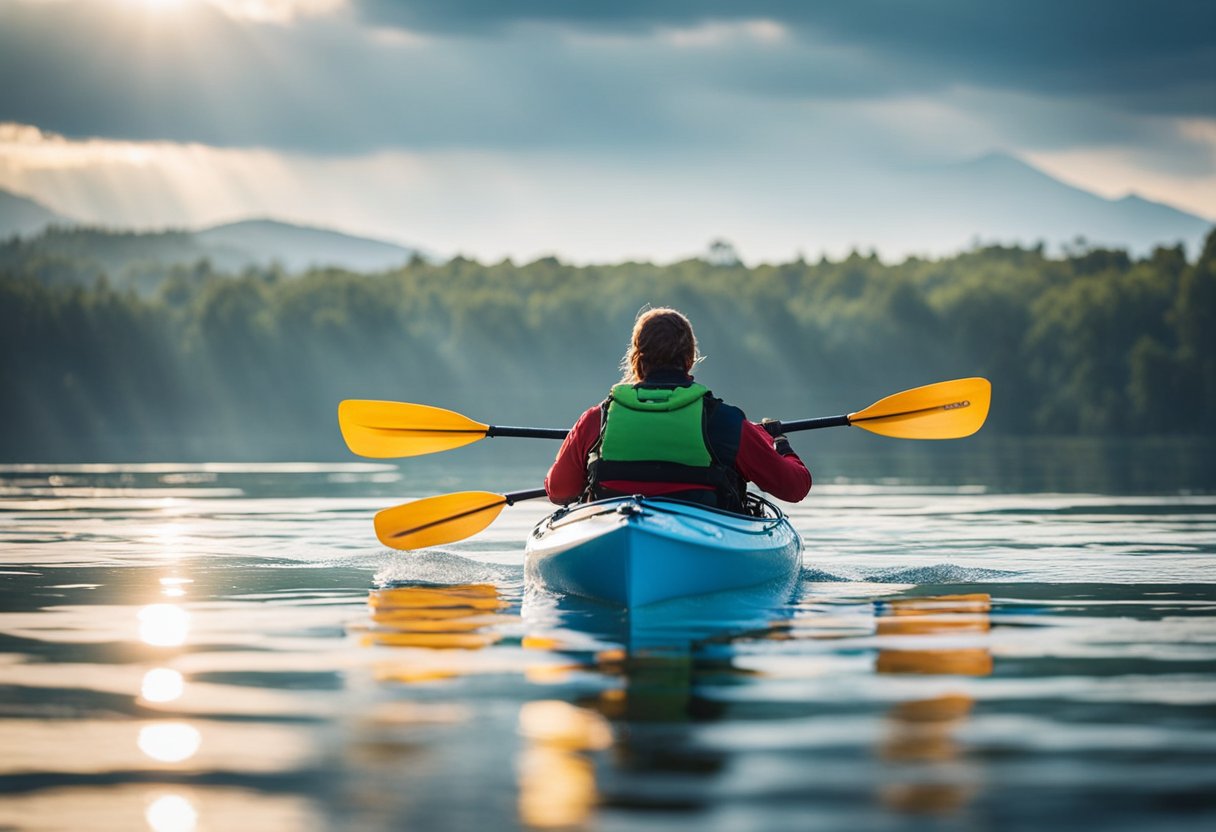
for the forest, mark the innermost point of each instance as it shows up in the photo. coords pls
(190, 362)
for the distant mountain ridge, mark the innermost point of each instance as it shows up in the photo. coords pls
(23, 215)
(228, 247)
(1000, 197)
(996, 198)
(300, 247)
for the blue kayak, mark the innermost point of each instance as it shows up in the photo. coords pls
(633, 551)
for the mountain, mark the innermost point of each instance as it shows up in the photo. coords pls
(298, 247)
(938, 210)
(141, 259)
(22, 215)
(1003, 199)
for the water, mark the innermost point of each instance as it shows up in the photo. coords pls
(201, 647)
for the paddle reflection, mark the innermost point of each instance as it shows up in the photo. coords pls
(557, 786)
(920, 741)
(943, 615)
(440, 617)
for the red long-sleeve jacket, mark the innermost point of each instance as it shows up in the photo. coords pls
(784, 477)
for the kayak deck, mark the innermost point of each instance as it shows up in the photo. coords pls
(633, 551)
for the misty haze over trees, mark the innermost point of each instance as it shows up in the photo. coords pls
(204, 364)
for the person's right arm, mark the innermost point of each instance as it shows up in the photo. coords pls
(568, 476)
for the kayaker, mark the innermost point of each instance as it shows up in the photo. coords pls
(660, 433)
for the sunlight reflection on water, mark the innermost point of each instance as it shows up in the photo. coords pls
(162, 684)
(169, 742)
(171, 813)
(163, 625)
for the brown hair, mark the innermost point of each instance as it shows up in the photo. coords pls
(661, 338)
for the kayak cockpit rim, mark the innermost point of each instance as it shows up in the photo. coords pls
(639, 504)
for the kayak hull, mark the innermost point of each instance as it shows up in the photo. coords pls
(634, 551)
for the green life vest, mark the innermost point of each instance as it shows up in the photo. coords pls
(658, 434)
(656, 424)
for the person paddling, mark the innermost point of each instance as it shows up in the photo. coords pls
(660, 433)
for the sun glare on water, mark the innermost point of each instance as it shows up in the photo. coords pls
(172, 813)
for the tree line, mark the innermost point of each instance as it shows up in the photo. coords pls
(202, 363)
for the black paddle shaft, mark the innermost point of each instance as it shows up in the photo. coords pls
(527, 433)
(776, 428)
(514, 497)
(773, 428)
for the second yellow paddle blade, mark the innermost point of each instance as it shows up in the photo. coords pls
(396, 429)
(946, 410)
(438, 520)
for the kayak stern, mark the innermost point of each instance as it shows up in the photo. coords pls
(636, 551)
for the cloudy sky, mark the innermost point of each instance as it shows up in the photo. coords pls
(597, 131)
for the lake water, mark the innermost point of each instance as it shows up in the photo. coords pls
(225, 646)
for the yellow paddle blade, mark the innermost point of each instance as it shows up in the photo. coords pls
(438, 520)
(396, 429)
(946, 410)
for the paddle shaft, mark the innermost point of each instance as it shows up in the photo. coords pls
(527, 433)
(560, 433)
(772, 427)
(781, 427)
(515, 496)
(810, 424)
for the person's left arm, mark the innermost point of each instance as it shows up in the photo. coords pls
(775, 470)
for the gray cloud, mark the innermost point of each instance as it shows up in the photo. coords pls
(607, 77)
(1152, 57)
(329, 86)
